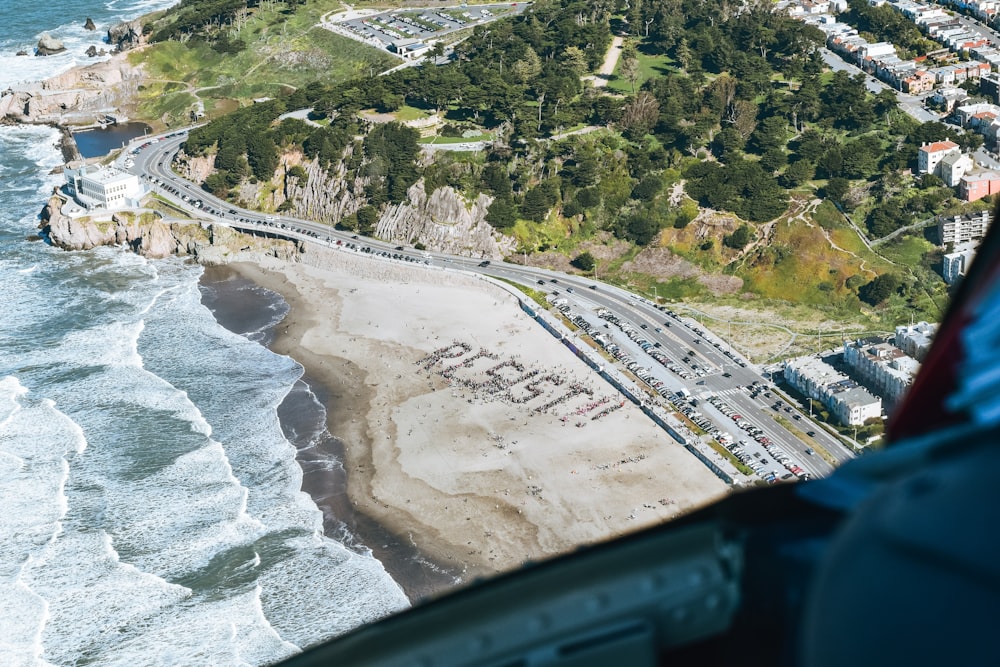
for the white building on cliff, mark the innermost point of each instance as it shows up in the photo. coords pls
(107, 188)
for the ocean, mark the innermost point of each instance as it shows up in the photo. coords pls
(151, 509)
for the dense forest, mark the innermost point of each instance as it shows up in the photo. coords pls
(740, 110)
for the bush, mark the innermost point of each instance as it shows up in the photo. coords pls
(879, 289)
(739, 239)
(647, 189)
(584, 261)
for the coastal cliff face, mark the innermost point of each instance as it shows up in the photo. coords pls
(443, 221)
(152, 237)
(78, 94)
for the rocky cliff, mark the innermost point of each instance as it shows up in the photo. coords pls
(444, 221)
(78, 94)
(150, 236)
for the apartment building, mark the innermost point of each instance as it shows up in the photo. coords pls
(962, 228)
(848, 402)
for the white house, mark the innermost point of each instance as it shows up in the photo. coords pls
(953, 167)
(931, 154)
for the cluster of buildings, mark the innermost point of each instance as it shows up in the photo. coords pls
(877, 370)
(887, 366)
(964, 54)
(817, 378)
(946, 160)
(100, 187)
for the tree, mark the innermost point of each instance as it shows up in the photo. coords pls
(262, 155)
(629, 65)
(769, 135)
(367, 219)
(648, 188)
(880, 289)
(501, 214)
(740, 237)
(796, 174)
(836, 188)
(575, 60)
(641, 229)
(584, 261)
(640, 115)
(527, 68)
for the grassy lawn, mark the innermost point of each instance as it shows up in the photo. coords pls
(456, 140)
(283, 52)
(410, 113)
(908, 249)
(649, 67)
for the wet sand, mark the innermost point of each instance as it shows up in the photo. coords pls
(466, 461)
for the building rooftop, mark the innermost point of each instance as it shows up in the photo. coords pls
(105, 175)
(938, 146)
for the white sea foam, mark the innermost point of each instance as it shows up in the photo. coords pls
(38, 439)
(17, 70)
(302, 593)
(151, 503)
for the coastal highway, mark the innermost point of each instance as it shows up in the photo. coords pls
(714, 367)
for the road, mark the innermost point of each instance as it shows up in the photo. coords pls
(710, 366)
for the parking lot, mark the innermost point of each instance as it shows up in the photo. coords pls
(406, 25)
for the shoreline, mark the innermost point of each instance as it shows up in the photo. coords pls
(324, 477)
(467, 479)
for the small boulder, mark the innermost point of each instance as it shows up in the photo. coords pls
(91, 51)
(22, 52)
(89, 25)
(49, 45)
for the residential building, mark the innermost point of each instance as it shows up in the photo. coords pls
(954, 265)
(967, 112)
(962, 228)
(978, 185)
(921, 81)
(931, 154)
(953, 167)
(95, 186)
(915, 339)
(990, 86)
(848, 402)
(882, 367)
(949, 97)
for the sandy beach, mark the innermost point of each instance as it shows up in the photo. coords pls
(469, 435)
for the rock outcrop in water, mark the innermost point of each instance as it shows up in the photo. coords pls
(49, 45)
(89, 25)
(150, 236)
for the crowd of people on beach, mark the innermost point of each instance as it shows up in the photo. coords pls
(512, 381)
